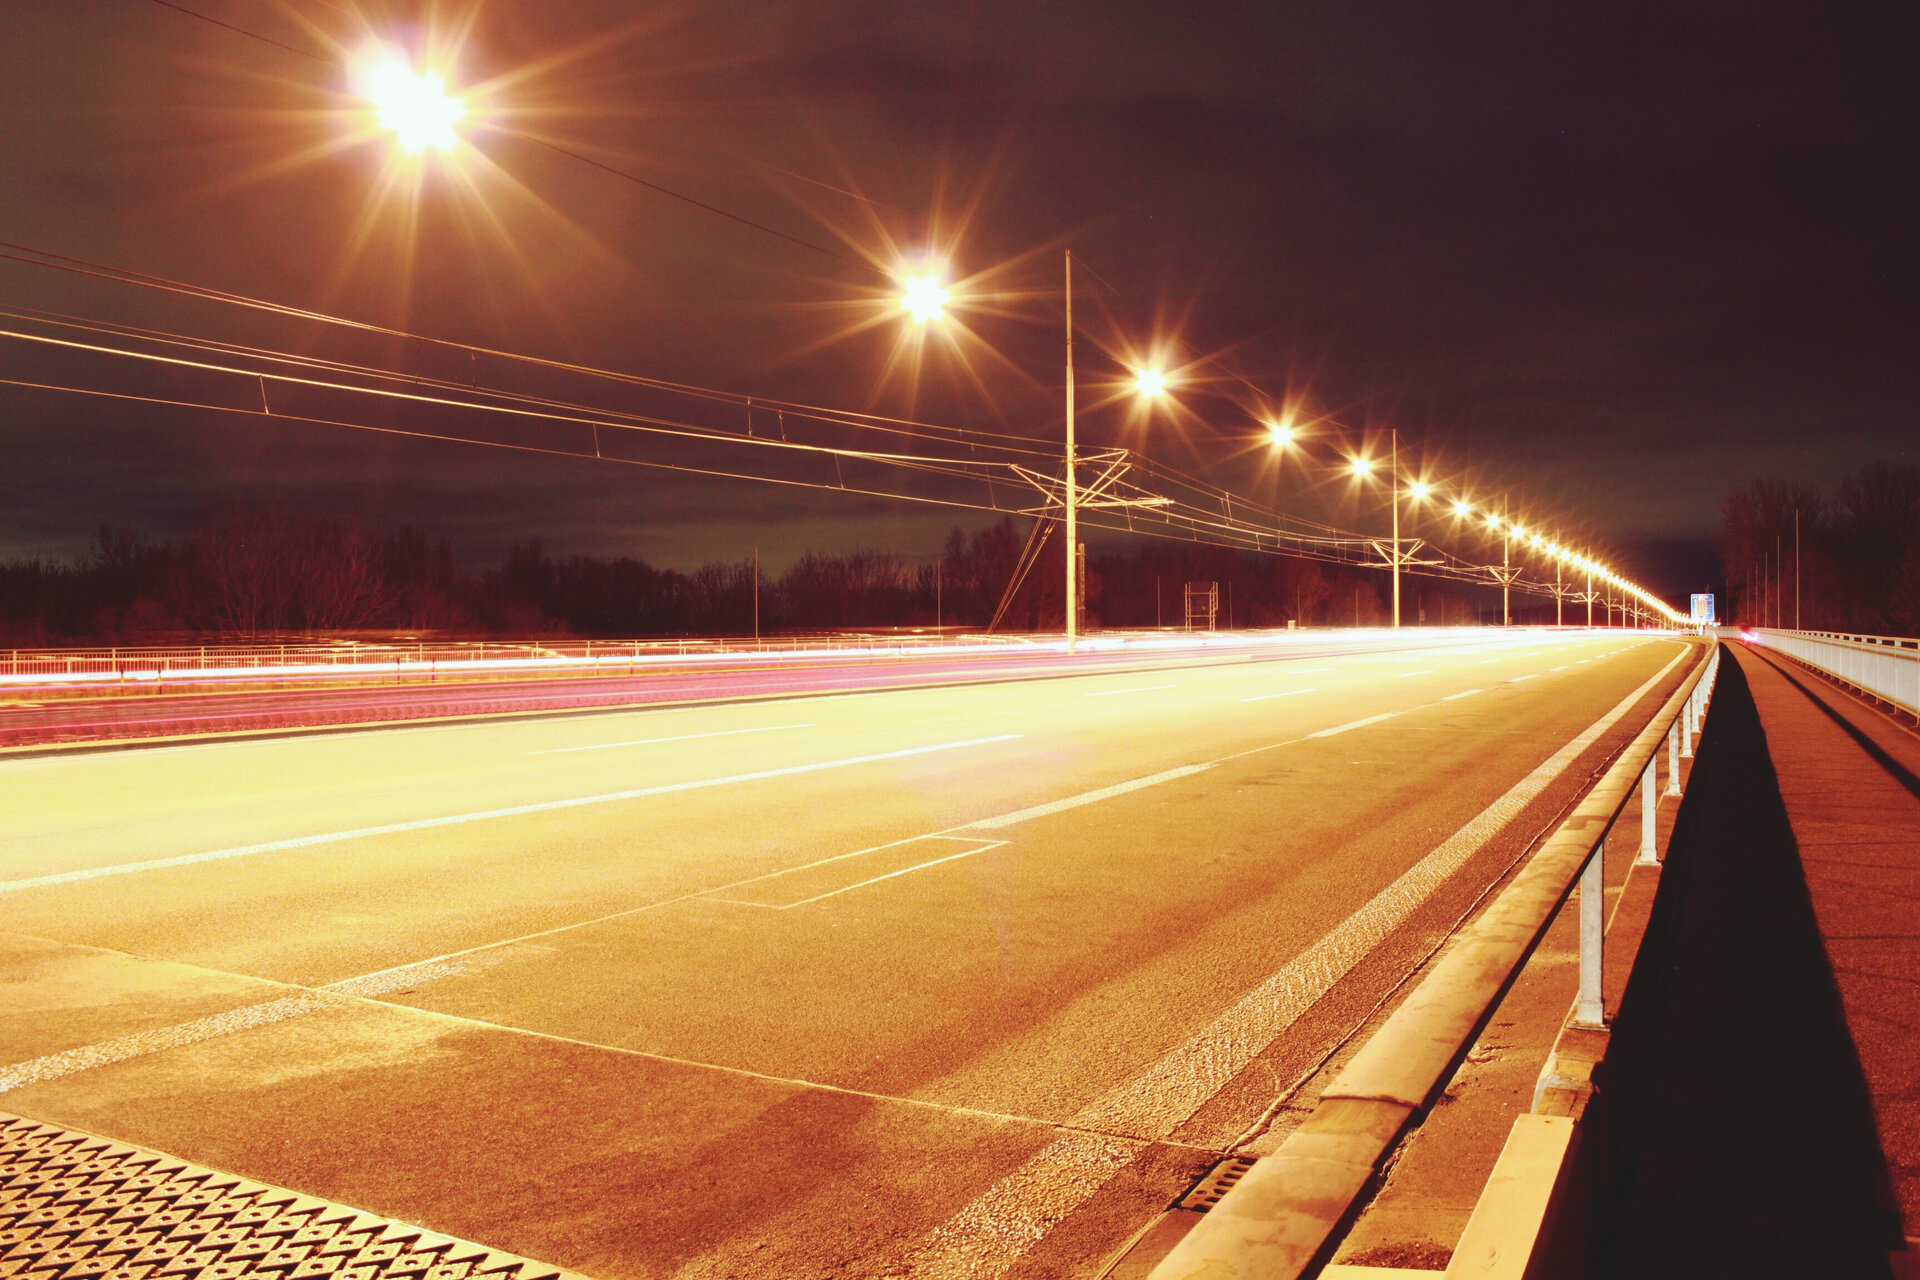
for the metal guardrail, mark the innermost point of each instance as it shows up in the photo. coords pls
(1885, 667)
(350, 659)
(1280, 1218)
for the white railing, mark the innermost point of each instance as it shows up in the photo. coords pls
(1886, 667)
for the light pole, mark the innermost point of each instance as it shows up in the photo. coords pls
(1394, 502)
(1073, 527)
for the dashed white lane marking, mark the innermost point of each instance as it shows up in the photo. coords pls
(1288, 694)
(1085, 797)
(484, 815)
(1145, 688)
(1353, 724)
(1529, 676)
(1464, 693)
(1562, 668)
(683, 737)
(1001, 1224)
(1404, 674)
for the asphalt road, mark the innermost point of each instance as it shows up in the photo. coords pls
(959, 981)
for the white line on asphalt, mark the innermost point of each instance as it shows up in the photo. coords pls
(1560, 668)
(1462, 694)
(1517, 679)
(1145, 688)
(456, 819)
(684, 737)
(402, 972)
(1288, 694)
(1404, 674)
(1085, 797)
(980, 847)
(1000, 1225)
(1353, 724)
(54, 1065)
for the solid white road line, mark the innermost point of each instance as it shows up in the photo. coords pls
(1353, 724)
(54, 1065)
(484, 815)
(1085, 797)
(1288, 694)
(1000, 1225)
(979, 847)
(1145, 688)
(684, 737)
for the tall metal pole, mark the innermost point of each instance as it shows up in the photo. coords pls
(1506, 562)
(1796, 568)
(1589, 599)
(1073, 525)
(1559, 601)
(1396, 528)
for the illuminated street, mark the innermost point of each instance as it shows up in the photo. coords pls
(794, 986)
(833, 640)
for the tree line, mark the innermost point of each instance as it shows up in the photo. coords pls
(1845, 561)
(250, 571)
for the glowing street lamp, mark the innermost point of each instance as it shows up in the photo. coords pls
(1462, 508)
(1419, 490)
(1149, 383)
(412, 105)
(1280, 434)
(1363, 466)
(925, 299)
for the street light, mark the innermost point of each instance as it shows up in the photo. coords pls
(1362, 466)
(413, 105)
(1150, 383)
(925, 299)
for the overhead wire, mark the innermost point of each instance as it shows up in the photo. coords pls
(474, 397)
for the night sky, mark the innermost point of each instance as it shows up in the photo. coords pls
(1608, 259)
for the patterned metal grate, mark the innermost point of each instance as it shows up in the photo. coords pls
(77, 1207)
(1217, 1182)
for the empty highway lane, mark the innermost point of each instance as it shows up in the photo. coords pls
(954, 981)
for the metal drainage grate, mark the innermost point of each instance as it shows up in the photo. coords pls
(1218, 1181)
(77, 1207)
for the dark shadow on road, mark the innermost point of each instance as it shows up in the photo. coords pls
(1749, 1147)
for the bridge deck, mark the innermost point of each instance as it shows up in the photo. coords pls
(1782, 1135)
